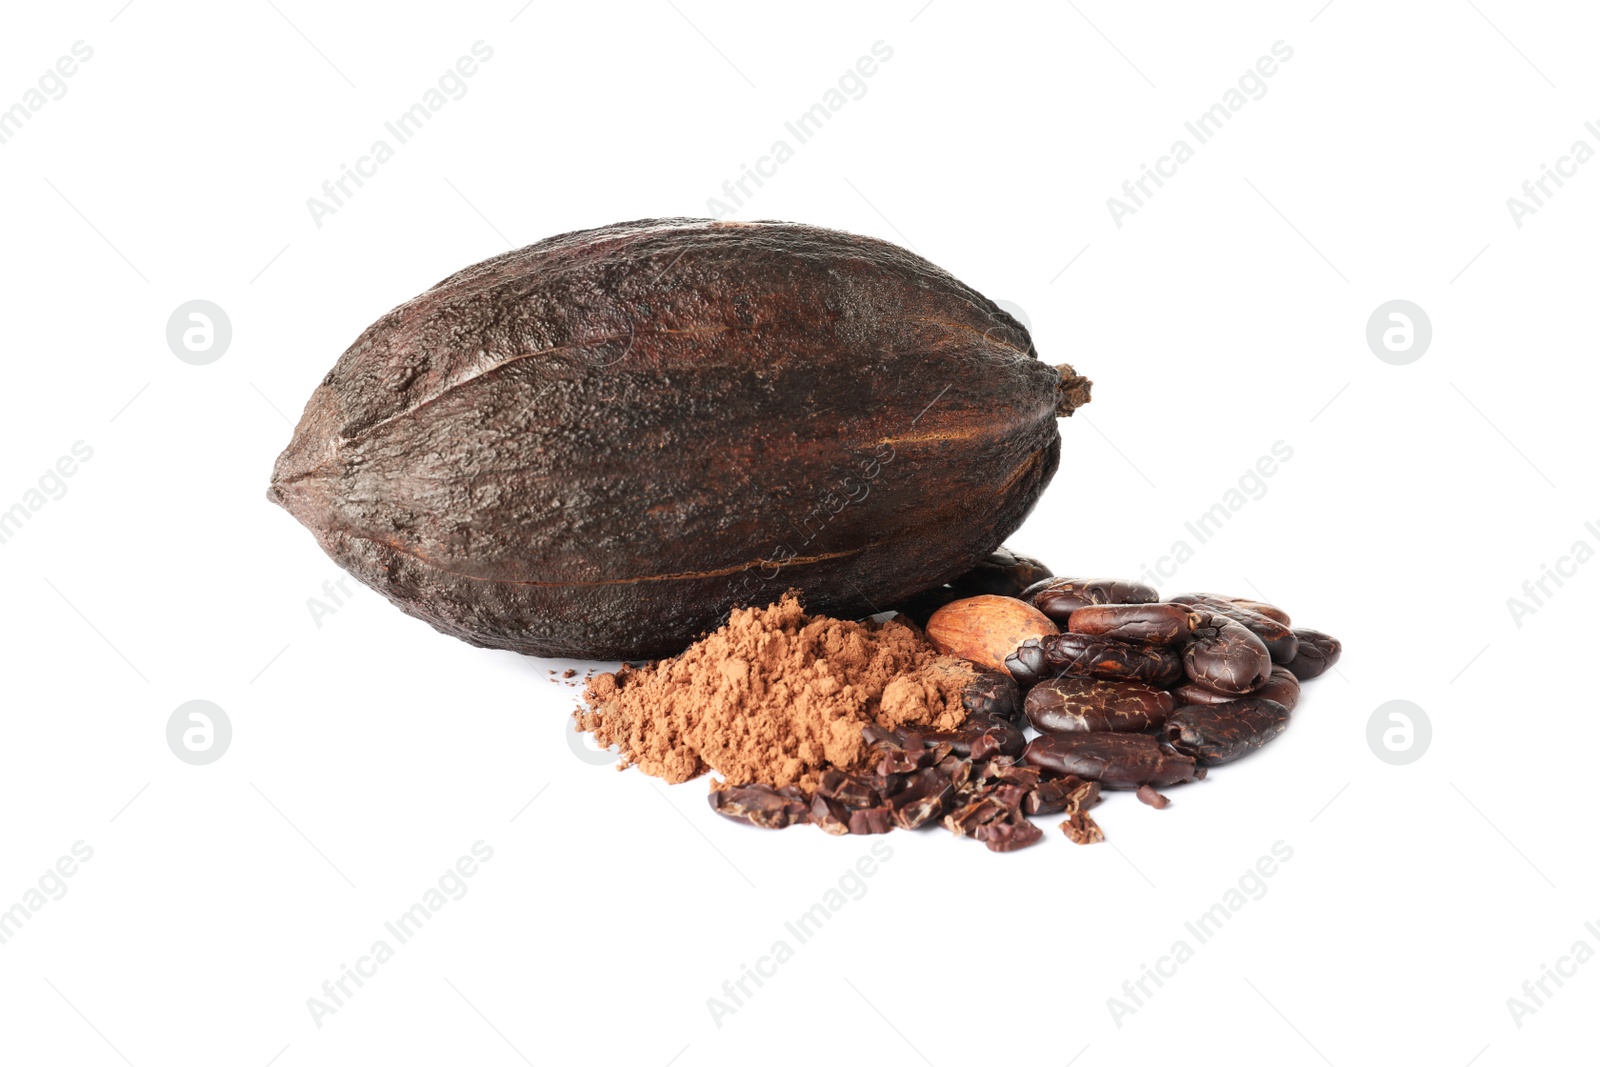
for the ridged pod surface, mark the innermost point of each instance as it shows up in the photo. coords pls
(596, 445)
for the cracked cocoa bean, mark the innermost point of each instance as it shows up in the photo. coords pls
(1220, 733)
(1074, 704)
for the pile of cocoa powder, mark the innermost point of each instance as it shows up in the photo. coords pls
(775, 697)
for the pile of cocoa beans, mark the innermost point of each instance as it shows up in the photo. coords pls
(1125, 690)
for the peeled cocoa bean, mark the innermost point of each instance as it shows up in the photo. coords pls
(1318, 652)
(1282, 687)
(597, 445)
(1060, 597)
(1074, 704)
(984, 630)
(1148, 624)
(1225, 656)
(1116, 761)
(1218, 733)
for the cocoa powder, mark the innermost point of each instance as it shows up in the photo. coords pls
(775, 697)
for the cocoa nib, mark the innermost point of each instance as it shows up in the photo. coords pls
(1081, 829)
(761, 805)
(1148, 794)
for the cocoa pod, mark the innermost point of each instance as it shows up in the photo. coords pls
(597, 445)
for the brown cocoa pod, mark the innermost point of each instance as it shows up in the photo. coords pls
(1060, 597)
(1116, 761)
(1280, 640)
(1002, 573)
(1220, 733)
(1225, 656)
(1106, 657)
(1318, 652)
(1282, 687)
(1148, 624)
(1074, 704)
(597, 445)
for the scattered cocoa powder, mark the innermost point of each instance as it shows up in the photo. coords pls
(774, 697)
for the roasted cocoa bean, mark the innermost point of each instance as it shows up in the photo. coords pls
(1074, 704)
(1318, 652)
(1225, 656)
(1028, 665)
(1148, 624)
(1060, 597)
(1002, 573)
(1276, 614)
(1219, 733)
(1116, 761)
(1280, 640)
(993, 693)
(1282, 687)
(1106, 657)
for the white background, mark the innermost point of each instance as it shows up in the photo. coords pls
(1229, 313)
